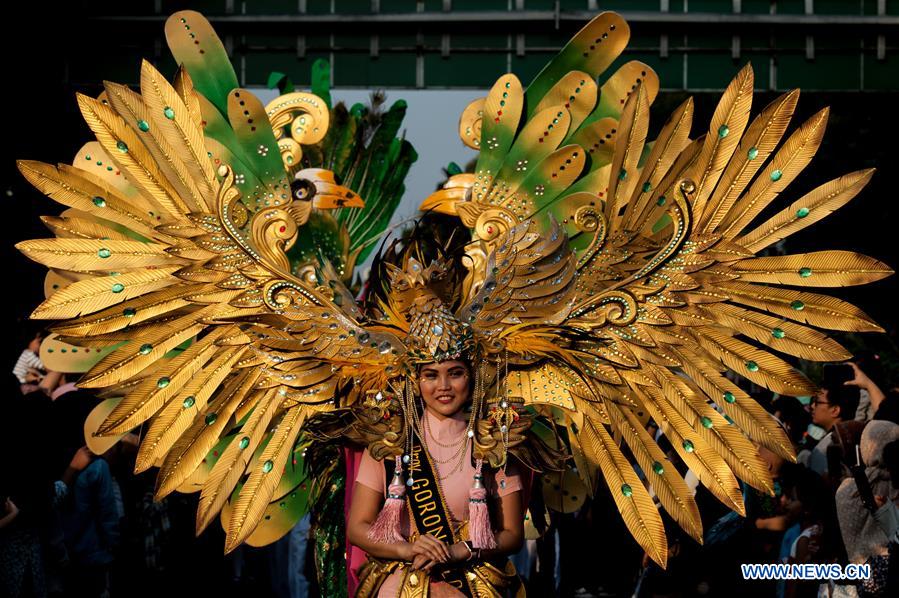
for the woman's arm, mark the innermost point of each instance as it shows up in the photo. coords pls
(510, 536)
(364, 511)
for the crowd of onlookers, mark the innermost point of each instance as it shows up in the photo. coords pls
(75, 523)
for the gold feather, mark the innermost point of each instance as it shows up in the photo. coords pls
(127, 150)
(757, 423)
(598, 140)
(632, 129)
(94, 164)
(95, 255)
(150, 395)
(234, 460)
(498, 127)
(183, 134)
(811, 208)
(818, 310)
(263, 479)
(778, 334)
(661, 197)
(130, 107)
(758, 365)
(74, 227)
(152, 341)
(180, 411)
(672, 140)
(788, 162)
(819, 268)
(576, 92)
(94, 294)
(661, 474)
(738, 452)
(760, 139)
(193, 445)
(723, 136)
(184, 87)
(540, 136)
(633, 501)
(128, 313)
(705, 462)
(586, 470)
(69, 186)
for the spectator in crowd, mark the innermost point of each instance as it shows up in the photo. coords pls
(887, 516)
(833, 403)
(864, 539)
(28, 368)
(811, 500)
(91, 526)
(795, 419)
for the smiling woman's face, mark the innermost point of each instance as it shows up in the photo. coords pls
(445, 386)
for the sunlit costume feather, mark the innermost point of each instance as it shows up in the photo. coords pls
(610, 279)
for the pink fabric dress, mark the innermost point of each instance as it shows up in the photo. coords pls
(455, 486)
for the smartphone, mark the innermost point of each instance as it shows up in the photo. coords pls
(835, 374)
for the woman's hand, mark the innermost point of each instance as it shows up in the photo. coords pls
(429, 547)
(458, 554)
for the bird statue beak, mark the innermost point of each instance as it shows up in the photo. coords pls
(329, 194)
(456, 189)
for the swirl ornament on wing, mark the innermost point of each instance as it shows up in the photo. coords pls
(297, 119)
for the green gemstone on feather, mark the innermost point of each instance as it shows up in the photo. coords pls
(168, 113)
(753, 153)
(752, 366)
(798, 305)
(723, 131)
(805, 272)
(145, 349)
(122, 147)
(267, 466)
(657, 467)
(660, 201)
(626, 490)
(244, 442)
(706, 422)
(103, 252)
(622, 175)
(189, 402)
(143, 125)
(129, 312)
(118, 287)
(99, 202)
(729, 397)
(688, 446)
(778, 333)
(647, 187)
(163, 382)
(776, 175)
(802, 212)
(210, 419)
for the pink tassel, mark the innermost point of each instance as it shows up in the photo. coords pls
(386, 528)
(479, 529)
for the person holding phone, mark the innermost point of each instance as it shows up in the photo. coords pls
(835, 401)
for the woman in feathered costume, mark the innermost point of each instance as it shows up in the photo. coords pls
(609, 279)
